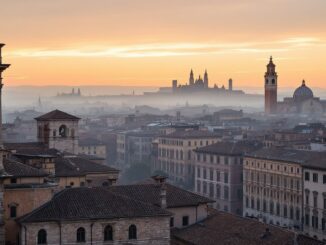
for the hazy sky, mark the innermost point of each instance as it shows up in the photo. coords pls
(151, 42)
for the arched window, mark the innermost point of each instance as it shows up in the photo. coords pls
(41, 237)
(80, 234)
(63, 131)
(132, 232)
(108, 233)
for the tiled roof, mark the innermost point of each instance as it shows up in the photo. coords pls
(77, 166)
(91, 203)
(31, 149)
(230, 148)
(233, 230)
(191, 134)
(17, 169)
(311, 159)
(150, 193)
(56, 115)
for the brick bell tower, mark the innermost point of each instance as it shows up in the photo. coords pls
(270, 88)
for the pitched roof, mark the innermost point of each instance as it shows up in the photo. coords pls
(230, 148)
(56, 115)
(78, 166)
(230, 229)
(310, 159)
(31, 149)
(91, 203)
(191, 134)
(150, 193)
(17, 169)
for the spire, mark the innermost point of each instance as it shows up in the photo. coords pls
(206, 79)
(303, 82)
(191, 78)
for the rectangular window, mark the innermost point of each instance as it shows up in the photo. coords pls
(306, 176)
(185, 220)
(226, 178)
(315, 177)
(211, 174)
(198, 172)
(212, 158)
(315, 201)
(226, 160)
(307, 219)
(172, 222)
(226, 192)
(324, 179)
(198, 186)
(13, 212)
(218, 176)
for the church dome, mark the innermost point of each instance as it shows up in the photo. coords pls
(303, 92)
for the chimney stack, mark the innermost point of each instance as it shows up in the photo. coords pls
(161, 180)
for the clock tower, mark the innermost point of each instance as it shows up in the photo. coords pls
(270, 88)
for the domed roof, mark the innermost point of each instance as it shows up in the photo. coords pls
(303, 92)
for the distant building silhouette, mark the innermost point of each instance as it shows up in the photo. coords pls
(72, 94)
(201, 84)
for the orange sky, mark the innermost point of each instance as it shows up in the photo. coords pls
(146, 42)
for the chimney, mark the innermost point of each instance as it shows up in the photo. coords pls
(163, 196)
(161, 180)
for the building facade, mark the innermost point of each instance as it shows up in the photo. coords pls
(175, 154)
(315, 199)
(218, 173)
(273, 187)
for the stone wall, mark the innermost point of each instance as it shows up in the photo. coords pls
(25, 200)
(150, 230)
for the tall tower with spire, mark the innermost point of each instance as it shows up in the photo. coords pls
(191, 78)
(3, 67)
(270, 88)
(205, 79)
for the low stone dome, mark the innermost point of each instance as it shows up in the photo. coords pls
(303, 92)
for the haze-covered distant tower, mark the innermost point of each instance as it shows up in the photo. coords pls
(230, 84)
(3, 67)
(270, 88)
(205, 79)
(191, 78)
(174, 85)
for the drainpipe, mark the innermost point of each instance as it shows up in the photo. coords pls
(92, 233)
